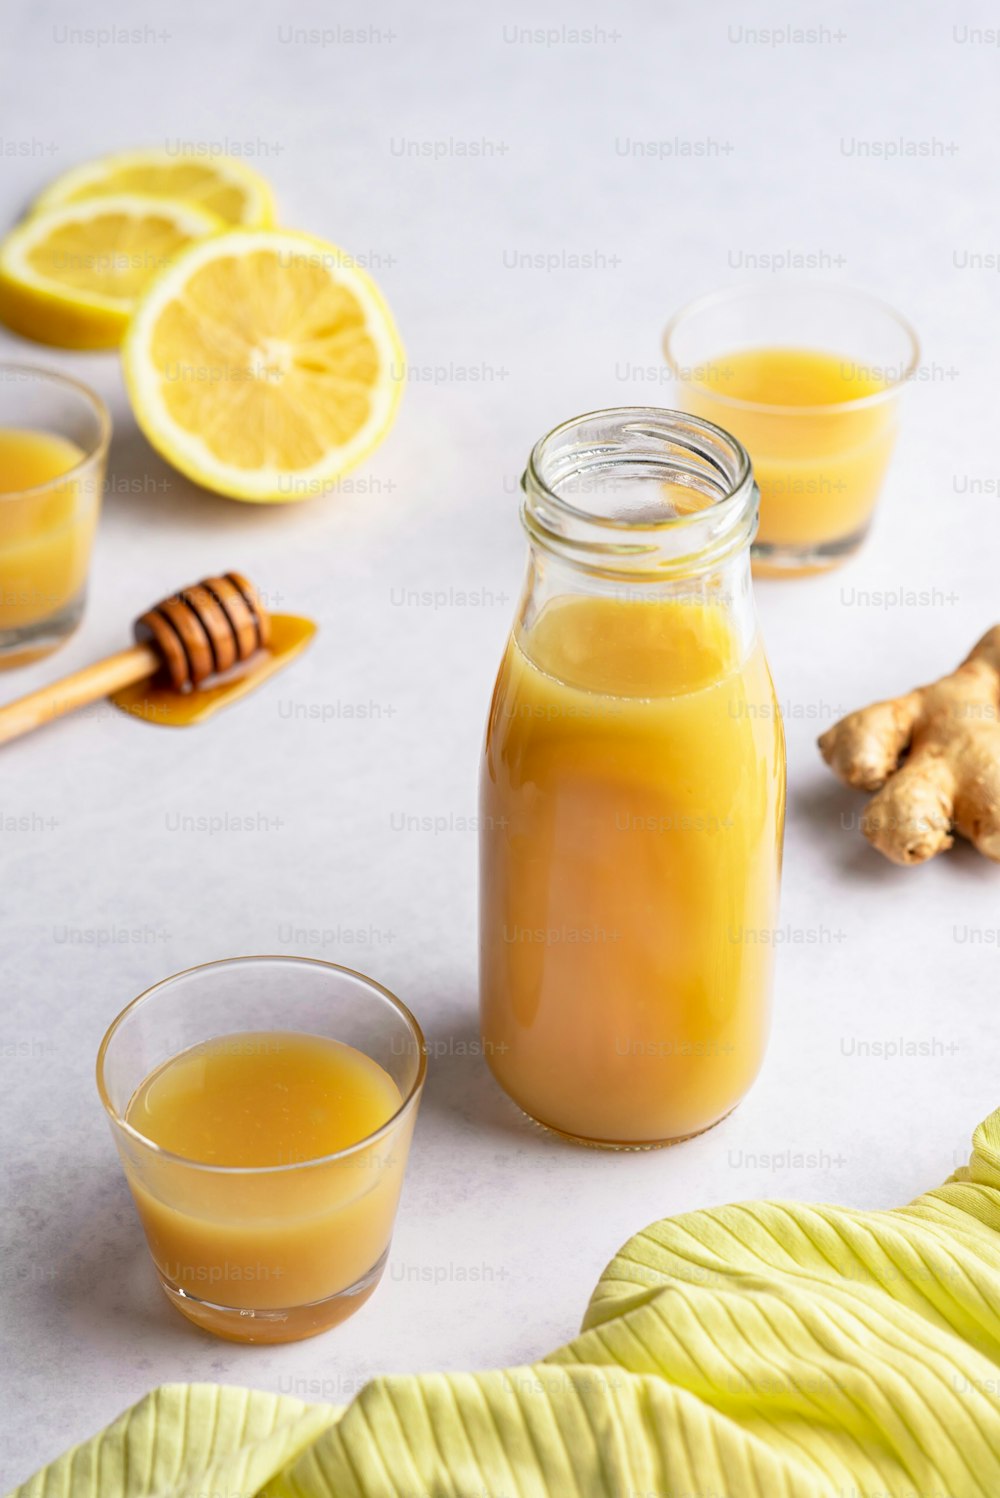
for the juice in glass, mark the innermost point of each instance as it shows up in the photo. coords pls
(808, 379)
(45, 536)
(53, 445)
(260, 1099)
(632, 792)
(265, 1164)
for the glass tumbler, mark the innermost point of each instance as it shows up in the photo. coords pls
(54, 435)
(807, 376)
(278, 1252)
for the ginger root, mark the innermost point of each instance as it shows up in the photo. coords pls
(933, 755)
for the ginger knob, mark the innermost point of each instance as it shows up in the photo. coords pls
(933, 756)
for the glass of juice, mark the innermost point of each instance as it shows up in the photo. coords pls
(632, 790)
(54, 435)
(263, 1109)
(808, 377)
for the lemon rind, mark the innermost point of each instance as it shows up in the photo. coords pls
(259, 195)
(25, 235)
(184, 449)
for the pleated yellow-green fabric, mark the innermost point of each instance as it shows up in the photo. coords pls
(767, 1350)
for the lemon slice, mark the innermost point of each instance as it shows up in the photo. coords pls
(262, 364)
(71, 276)
(222, 185)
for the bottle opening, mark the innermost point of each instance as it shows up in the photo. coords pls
(640, 489)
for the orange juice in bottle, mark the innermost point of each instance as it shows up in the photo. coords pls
(632, 790)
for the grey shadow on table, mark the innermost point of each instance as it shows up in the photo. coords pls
(462, 1091)
(98, 1268)
(834, 812)
(141, 484)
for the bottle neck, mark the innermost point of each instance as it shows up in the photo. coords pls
(641, 505)
(726, 588)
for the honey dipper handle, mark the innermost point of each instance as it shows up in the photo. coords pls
(65, 696)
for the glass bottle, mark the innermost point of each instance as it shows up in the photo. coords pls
(632, 789)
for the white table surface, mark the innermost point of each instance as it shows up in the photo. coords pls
(502, 1232)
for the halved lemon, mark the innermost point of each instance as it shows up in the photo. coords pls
(263, 364)
(223, 185)
(71, 276)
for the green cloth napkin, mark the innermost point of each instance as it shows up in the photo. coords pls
(766, 1349)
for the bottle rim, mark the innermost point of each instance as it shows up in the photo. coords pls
(641, 442)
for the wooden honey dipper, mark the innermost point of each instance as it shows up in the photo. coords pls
(199, 633)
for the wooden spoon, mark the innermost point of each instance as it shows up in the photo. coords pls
(195, 635)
